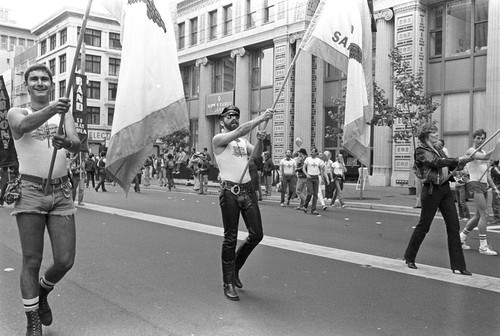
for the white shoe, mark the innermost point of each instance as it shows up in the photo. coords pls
(465, 246)
(487, 251)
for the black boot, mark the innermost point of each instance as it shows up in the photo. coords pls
(237, 281)
(44, 310)
(34, 325)
(230, 292)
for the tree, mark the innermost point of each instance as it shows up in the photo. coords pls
(413, 106)
(178, 139)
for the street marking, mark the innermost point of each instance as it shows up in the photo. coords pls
(394, 265)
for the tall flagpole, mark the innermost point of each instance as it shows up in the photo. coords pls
(288, 73)
(68, 90)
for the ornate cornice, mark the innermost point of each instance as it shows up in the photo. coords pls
(292, 38)
(385, 14)
(201, 61)
(238, 52)
(409, 7)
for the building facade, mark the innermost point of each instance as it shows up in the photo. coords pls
(239, 51)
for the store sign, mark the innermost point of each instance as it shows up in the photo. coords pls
(98, 135)
(216, 102)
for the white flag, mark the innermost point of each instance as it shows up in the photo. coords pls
(340, 33)
(150, 99)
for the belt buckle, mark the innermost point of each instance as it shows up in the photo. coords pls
(235, 189)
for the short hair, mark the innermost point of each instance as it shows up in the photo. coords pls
(425, 130)
(37, 67)
(479, 132)
(303, 151)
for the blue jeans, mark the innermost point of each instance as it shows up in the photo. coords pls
(312, 191)
(301, 190)
(287, 181)
(232, 206)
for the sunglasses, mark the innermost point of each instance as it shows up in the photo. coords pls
(233, 116)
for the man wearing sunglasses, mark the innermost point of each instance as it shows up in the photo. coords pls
(232, 153)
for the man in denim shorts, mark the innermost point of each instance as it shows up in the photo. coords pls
(43, 204)
(232, 153)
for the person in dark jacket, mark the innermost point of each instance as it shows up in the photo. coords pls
(432, 167)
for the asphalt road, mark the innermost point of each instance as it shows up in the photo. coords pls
(149, 264)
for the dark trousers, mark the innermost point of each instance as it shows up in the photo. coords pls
(91, 177)
(312, 191)
(287, 181)
(231, 206)
(102, 179)
(461, 195)
(442, 198)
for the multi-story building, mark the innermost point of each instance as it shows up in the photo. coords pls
(238, 51)
(56, 43)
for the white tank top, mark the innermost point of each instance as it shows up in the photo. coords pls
(477, 168)
(34, 151)
(233, 161)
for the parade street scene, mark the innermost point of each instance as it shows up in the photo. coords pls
(249, 167)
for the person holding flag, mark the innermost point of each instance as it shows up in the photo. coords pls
(34, 132)
(237, 195)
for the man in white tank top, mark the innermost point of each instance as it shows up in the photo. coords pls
(35, 136)
(237, 195)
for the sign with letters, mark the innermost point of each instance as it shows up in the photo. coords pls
(80, 109)
(216, 102)
(8, 154)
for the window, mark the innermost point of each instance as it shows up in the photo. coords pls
(92, 37)
(213, 25)
(114, 66)
(182, 35)
(31, 43)
(52, 93)
(43, 47)
(331, 124)
(332, 73)
(269, 10)
(62, 88)
(481, 25)
(62, 63)
(111, 114)
(114, 41)
(52, 66)
(191, 81)
(228, 20)
(251, 9)
(94, 90)
(224, 74)
(92, 64)
(12, 42)
(112, 87)
(21, 42)
(436, 31)
(93, 115)
(52, 41)
(194, 31)
(458, 28)
(263, 68)
(63, 36)
(3, 42)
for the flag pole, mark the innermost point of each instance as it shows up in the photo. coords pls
(288, 73)
(71, 80)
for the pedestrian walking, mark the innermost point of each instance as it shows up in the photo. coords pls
(43, 205)
(237, 195)
(301, 187)
(287, 171)
(432, 167)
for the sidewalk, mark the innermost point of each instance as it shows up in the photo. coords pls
(395, 199)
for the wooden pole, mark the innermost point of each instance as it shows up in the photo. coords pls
(68, 91)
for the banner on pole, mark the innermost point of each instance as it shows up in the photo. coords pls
(80, 110)
(340, 33)
(8, 154)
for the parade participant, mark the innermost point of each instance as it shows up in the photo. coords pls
(329, 185)
(34, 129)
(313, 168)
(101, 172)
(432, 166)
(301, 187)
(478, 184)
(338, 172)
(237, 194)
(287, 171)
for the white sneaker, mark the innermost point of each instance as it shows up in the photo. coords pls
(465, 246)
(487, 251)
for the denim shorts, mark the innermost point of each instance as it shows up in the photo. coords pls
(58, 202)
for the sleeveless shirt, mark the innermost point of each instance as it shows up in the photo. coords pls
(34, 150)
(233, 160)
(477, 168)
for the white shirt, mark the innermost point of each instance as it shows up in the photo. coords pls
(313, 165)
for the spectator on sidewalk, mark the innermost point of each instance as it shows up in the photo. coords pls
(90, 168)
(267, 172)
(147, 170)
(461, 193)
(169, 169)
(101, 172)
(203, 174)
(253, 170)
(495, 199)
(287, 170)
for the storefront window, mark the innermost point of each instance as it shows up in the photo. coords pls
(481, 25)
(436, 31)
